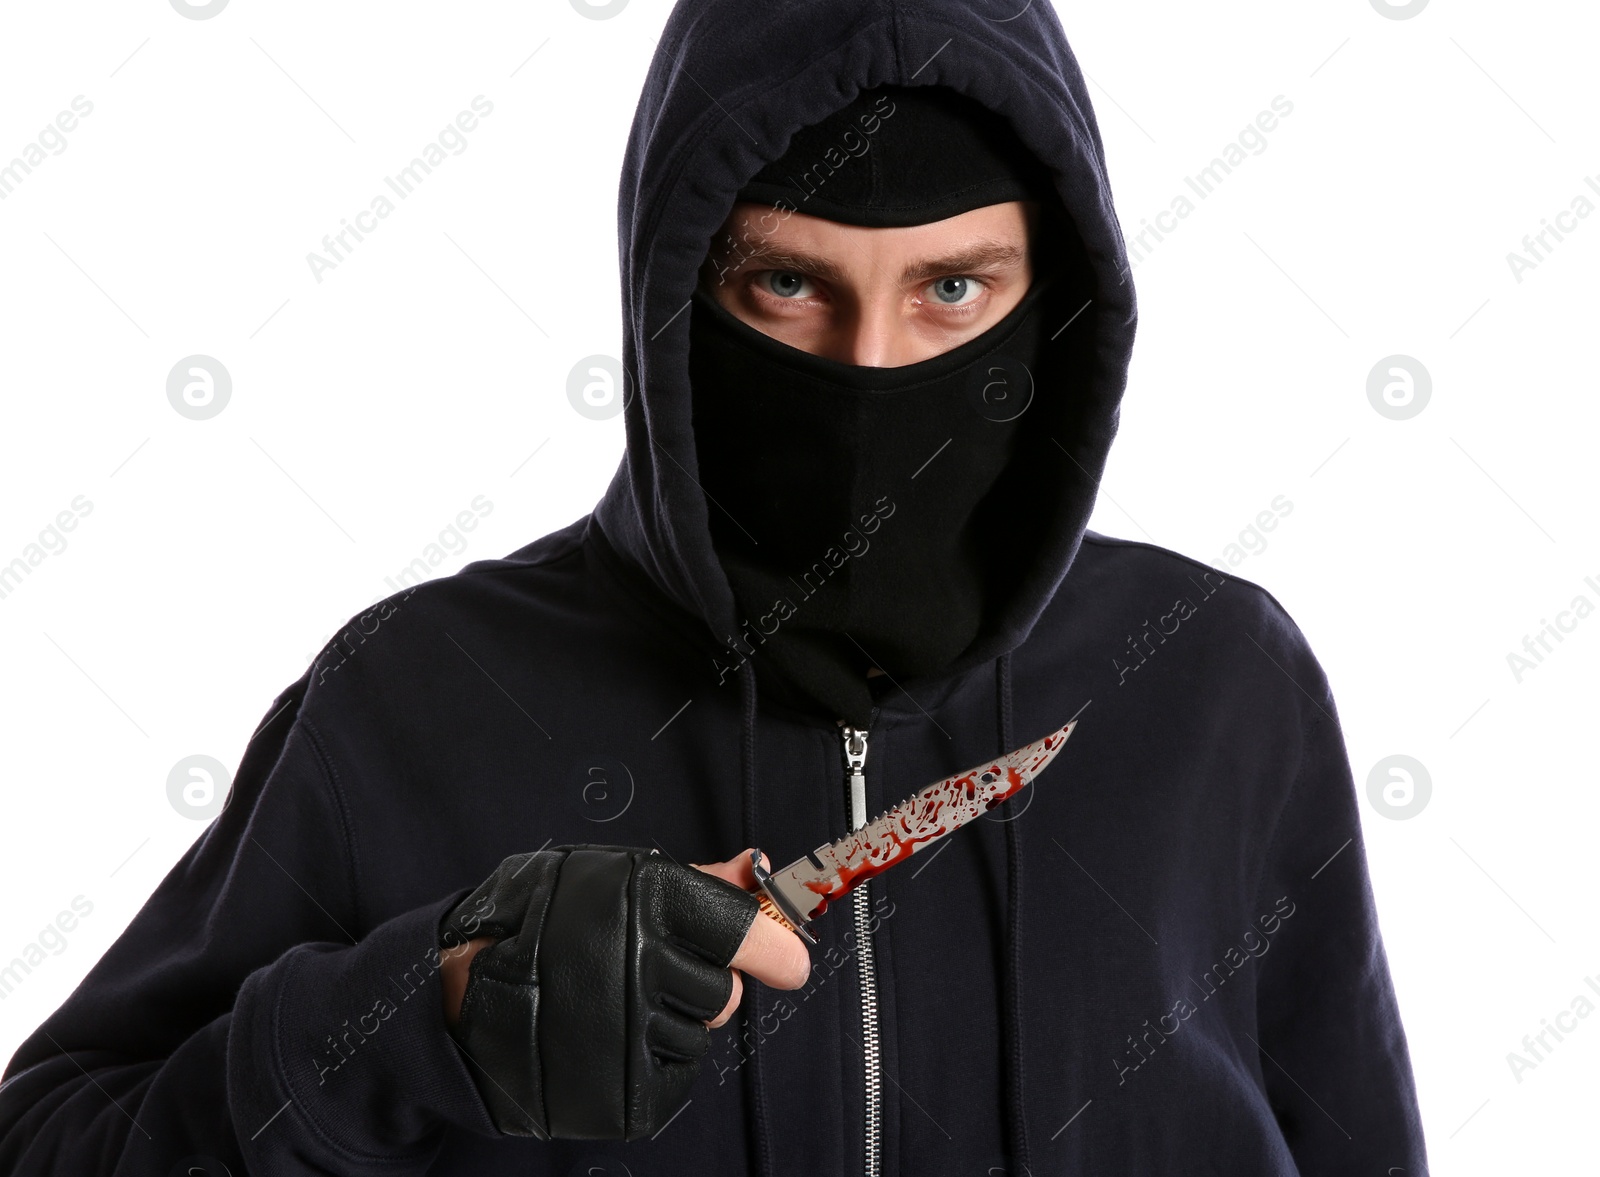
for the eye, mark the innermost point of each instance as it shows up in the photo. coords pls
(956, 290)
(784, 285)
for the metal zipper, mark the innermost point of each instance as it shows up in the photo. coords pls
(855, 760)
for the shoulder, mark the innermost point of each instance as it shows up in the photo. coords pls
(556, 550)
(1107, 561)
(1125, 584)
(482, 602)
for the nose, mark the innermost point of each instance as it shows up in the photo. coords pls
(876, 337)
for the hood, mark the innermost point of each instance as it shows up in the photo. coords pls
(729, 85)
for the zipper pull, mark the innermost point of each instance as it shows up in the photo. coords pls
(855, 761)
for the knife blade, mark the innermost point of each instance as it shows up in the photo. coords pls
(798, 893)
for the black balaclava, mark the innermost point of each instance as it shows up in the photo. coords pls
(850, 505)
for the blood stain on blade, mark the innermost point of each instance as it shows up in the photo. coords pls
(926, 816)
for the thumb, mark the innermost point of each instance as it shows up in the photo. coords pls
(735, 870)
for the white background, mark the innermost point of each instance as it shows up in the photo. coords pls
(371, 407)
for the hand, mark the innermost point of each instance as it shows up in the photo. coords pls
(770, 952)
(581, 983)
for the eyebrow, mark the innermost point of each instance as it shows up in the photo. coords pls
(977, 257)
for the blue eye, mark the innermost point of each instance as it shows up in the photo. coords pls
(784, 284)
(953, 291)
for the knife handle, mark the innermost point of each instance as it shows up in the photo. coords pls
(769, 908)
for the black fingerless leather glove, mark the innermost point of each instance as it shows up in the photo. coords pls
(585, 1020)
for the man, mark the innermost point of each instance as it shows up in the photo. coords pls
(845, 555)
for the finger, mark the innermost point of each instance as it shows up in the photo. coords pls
(733, 1002)
(686, 982)
(770, 952)
(773, 955)
(676, 1040)
(735, 870)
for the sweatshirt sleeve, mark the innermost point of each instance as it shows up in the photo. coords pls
(1332, 1048)
(247, 1015)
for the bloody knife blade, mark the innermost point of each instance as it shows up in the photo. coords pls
(800, 892)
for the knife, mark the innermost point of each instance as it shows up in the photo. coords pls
(801, 891)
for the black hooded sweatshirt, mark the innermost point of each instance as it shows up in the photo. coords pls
(1162, 958)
